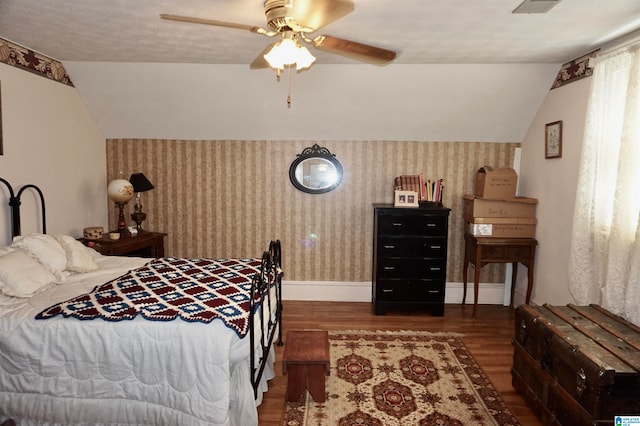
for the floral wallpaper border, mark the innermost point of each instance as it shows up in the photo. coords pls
(26, 59)
(29, 60)
(574, 70)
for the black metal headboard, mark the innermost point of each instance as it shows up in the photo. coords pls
(14, 203)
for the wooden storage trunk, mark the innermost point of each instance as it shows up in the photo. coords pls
(576, 365)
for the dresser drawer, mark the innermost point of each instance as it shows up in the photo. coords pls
(412, 225)
(418, 291)
(391, 267)
(401, 246)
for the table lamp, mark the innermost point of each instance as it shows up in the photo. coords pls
(140, 184)
(121, 191)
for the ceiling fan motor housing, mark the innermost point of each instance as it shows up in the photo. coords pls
(279, 16)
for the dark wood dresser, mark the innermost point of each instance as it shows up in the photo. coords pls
(409, 257)
(576, 365)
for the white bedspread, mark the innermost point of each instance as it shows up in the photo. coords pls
(69, 371)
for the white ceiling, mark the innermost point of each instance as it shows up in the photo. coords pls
(466, 70)
(420, 31)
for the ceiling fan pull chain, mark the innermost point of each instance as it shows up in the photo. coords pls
(289, 94)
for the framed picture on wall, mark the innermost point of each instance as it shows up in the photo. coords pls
(553, 140)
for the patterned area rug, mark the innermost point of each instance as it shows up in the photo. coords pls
(388, 378)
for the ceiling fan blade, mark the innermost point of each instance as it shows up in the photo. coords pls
(260, 62)
(214, 22)
(315, 14)
(351, 49)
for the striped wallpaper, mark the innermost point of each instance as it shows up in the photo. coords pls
(229, 198)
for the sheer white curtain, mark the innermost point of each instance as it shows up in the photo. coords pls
(605, 250)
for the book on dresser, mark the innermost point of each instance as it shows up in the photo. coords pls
(429, 190)
(409, 258)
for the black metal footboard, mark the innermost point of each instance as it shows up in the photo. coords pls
(266, 308)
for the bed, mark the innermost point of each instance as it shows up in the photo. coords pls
(161, 361)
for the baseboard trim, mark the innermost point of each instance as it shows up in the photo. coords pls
(337, 291)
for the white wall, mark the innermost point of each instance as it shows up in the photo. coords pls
(437, 102)
(56, 142)
(554, 183)
(51, 141)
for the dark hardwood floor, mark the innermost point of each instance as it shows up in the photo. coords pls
(488, 338)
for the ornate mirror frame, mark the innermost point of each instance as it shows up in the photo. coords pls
(316, 179)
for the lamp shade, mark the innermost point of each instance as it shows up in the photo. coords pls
(140, 182)
(120, 190)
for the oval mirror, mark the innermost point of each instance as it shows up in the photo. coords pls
(315, 170)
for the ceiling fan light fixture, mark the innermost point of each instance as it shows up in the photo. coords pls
(288, 52)
(305, 58)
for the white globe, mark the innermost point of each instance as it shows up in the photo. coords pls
(120, 190)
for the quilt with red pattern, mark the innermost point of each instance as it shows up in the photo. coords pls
(169, 288)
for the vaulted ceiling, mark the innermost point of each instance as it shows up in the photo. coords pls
(466, 70)
(420, 31)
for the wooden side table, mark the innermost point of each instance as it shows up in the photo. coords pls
(306, 361)
(145, 244)
(483, 250)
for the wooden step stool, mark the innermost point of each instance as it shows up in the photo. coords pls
(306, 361)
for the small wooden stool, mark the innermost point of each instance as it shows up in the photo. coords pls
(306, 361)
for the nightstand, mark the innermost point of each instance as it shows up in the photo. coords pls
(145, 244)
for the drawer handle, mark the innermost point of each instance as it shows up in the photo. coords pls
(436, 247)
(389, 268)
(387, 290)
(434, 291)
(398, 224)
(431, 225)
(434, 268)
(389, 247)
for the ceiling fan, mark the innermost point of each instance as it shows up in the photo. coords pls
(293, 21)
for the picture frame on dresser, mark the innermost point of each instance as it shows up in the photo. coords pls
(405, 199)
(553, 140)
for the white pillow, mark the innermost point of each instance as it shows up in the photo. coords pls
(21, 275)
(46, 250)
(79, 258)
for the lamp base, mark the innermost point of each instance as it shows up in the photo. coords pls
(122, 224)
(138, 218)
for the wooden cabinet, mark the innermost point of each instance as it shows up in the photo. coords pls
(409, 257)
(145, 244)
